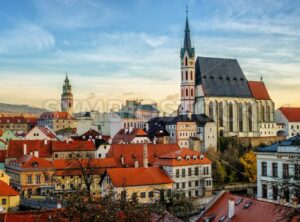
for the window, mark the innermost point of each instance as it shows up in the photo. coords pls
(191, 75)
(183, 185)
(190, 184)
(150, 194)
(285, 172)
(3, 201)
(37, 178)
(143, 195)
(297, 171)
(190, 193)
(186, 92)
(264, 191)
(70, 155)
(177, 173)
(29, 178)
(183, 172)
(185, 61)
(192, 92)
(177, 185)
(169, 193)
(196, 193)
(46, 177)
(72, 186)
(62, 186)
(274, 169)
(56, 156)
(190, 171)
(99, 155)
(264, 169)
(196, 171)
(275, 192)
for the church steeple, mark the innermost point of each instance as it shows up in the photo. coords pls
(67, 97)
(187, 44)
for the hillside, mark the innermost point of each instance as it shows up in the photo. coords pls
(20, 109)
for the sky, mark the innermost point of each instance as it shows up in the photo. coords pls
(115, 50)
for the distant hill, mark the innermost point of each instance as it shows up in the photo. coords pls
(20, 109)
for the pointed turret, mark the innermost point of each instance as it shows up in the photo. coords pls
(67, 96)
(187, 44)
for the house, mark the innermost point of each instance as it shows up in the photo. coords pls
(8, 135)
(9, 198)
(229, 207)
(69, 175)
(278, 172)
(290, 118)
(3, 144)
(72, 149)
(146, 184)
(190, 171)
(130, 155)
(56, 120)
(102, 146)
(131, 135)
(41, 133)
(14, 123)
(4, 177)
(31, 175)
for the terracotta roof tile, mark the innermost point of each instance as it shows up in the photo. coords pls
(259, 211)
(291, 113)
(55, 115)
(124, 135)
(259, 90)
(28, 161)
(2, 156)
(16, 147)
(12, 119)
(6, 190)
(135, 151)
(138, 176)
(77, 145)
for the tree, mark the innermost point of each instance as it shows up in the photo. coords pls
(249, 164)
(219, 172)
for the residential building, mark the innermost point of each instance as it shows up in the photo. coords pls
(72, 149)
(14, 123)
(9, 198)
(56, 120)
(102, 147)
(146, 184)
(190, 171)
(41, 133)
(131, 135)
(290, 117)
(8, 135)
(278, 168)
(31, 175)
(230, 207)
(131, 155)
(184, 127)
(67, 97)
(4, 177)
(69, 175)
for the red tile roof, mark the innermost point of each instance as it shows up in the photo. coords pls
(291, 113)
(91, 133)
(72, 167)
(28, 161)
(259, 211)
(135, 151)
(55, 115)
(182, 157)
(2, 156)
(124, 136)
(47, 131)
(259, 90)
(12, 119)
(138, 176)
(15, 148)
(85, 145)
(6, 190)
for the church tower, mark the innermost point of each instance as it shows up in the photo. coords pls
(67, 97)
(187, 59)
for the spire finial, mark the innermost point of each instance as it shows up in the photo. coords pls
(187, 10)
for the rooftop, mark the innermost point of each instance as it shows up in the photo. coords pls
(6, 190)
(291, 113)
(259, 90)
(28, 161)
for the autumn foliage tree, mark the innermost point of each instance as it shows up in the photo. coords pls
(249, 164)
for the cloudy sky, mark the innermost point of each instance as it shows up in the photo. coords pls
(116, 50)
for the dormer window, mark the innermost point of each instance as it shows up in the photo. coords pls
(187, 157)
(201, 157)
(179, 158)
(194, 157)
(227, 78)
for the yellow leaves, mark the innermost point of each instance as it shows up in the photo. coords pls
(249, 163)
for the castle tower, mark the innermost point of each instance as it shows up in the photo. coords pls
(67, 97)
(187, 59)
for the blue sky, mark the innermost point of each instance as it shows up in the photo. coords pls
(117, 50)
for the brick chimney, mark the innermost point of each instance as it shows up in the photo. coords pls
(230, 208)
(145, 155)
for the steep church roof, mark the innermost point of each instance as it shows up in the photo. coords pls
(187, 44)
(221, 77)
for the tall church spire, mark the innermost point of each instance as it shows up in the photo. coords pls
(67, 96)
(187, 44)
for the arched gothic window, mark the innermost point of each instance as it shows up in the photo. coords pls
(186, 75)
(211, 110)
(186, 61)
(192, 92)
(191, 75)
(230, 110)
(221, 121)
(250, 117)
(241, 129)
(186, 92)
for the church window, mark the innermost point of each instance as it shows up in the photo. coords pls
(191, 75)
(221, 122)
(192, 92)
(181, 75)
(250, 117)
(186, 75)
(186, 92)
(211, 110)
(230, 117)
(241, 117)
(182, 95)
(268, 119)
(262, 113)
(186, 61)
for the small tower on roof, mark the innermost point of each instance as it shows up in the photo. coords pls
(67, 97)
(187, 61)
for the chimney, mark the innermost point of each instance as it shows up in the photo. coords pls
(230, 208)
(123, 159)
(25, 149)
(126, 130)
(100, 137)
(130, 130)
(189, 115)
(136, 163)
(36, 153)
(110, 141)
(145, 155)
(45, 141)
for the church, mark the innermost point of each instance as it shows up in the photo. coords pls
(218, 88)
